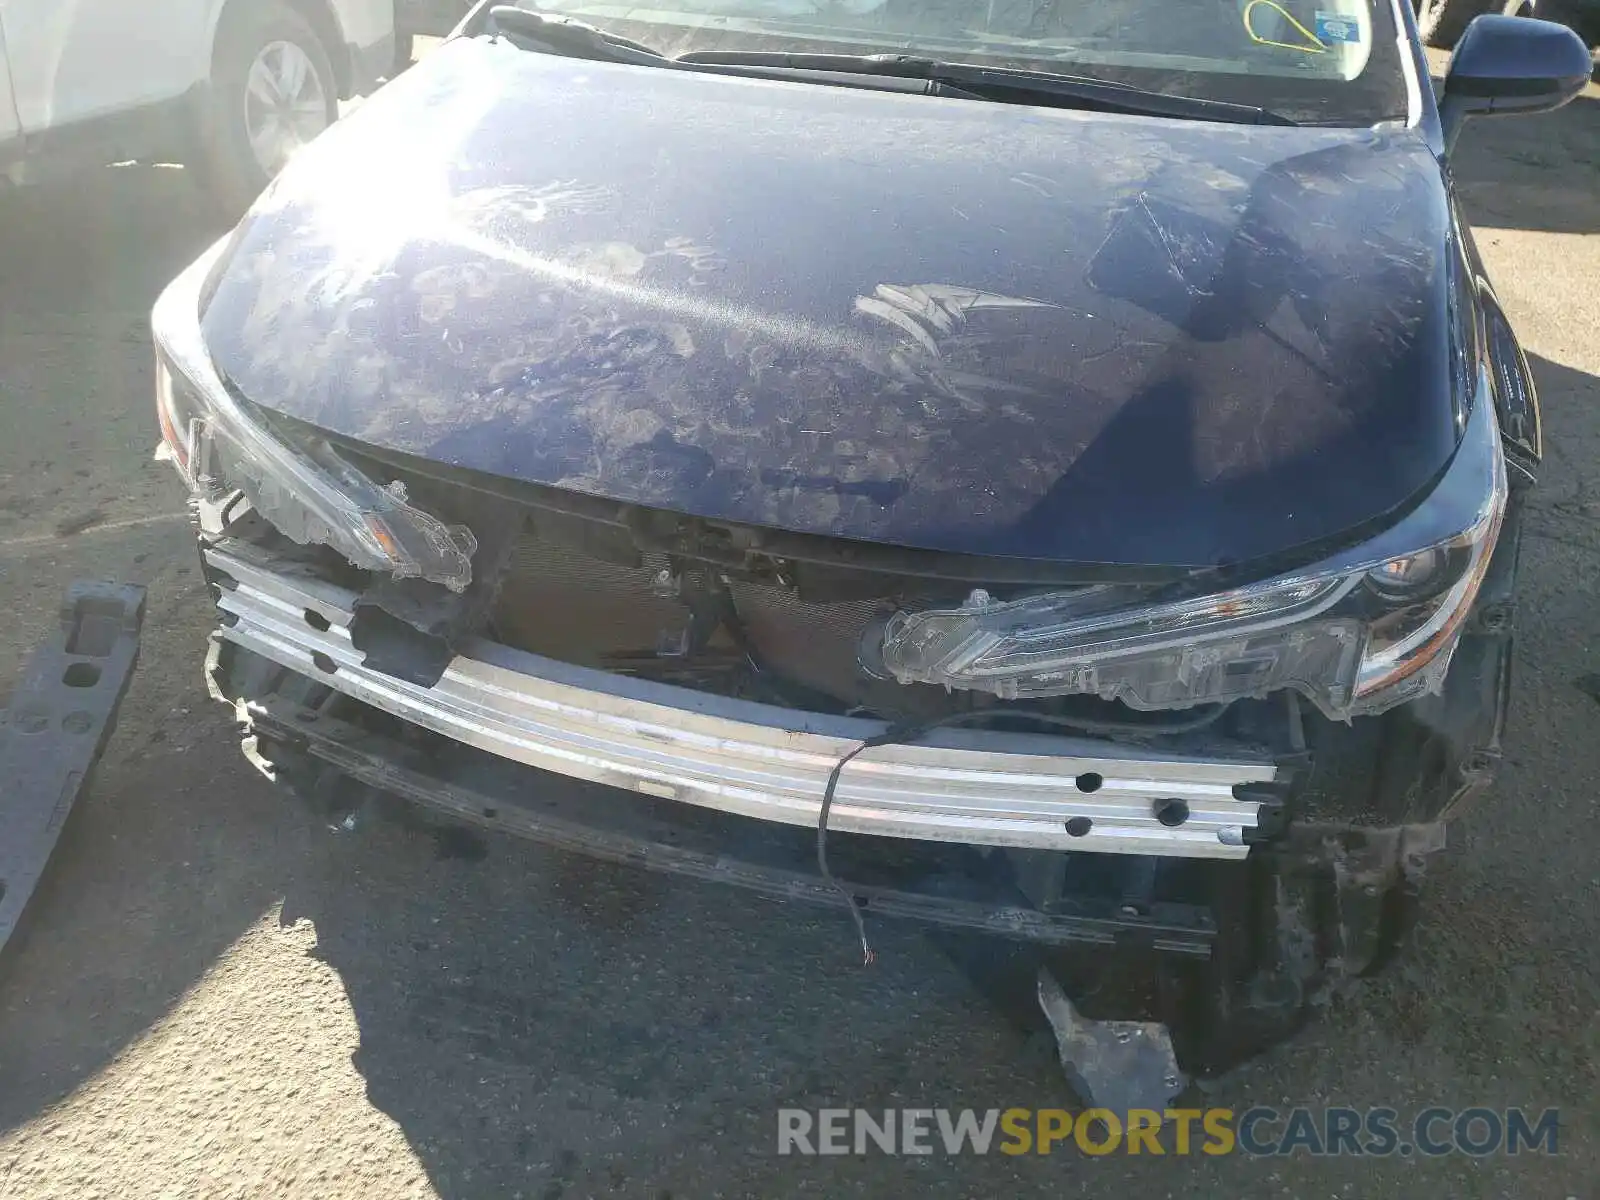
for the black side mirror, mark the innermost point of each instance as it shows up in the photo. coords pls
(1511, 65)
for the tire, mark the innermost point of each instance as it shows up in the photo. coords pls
(263, 48)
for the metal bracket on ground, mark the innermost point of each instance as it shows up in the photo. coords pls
(1113, 1065)
(61, 716)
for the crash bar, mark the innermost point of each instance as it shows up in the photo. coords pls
(969, 786)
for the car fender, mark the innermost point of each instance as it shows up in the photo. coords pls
(1511, 380)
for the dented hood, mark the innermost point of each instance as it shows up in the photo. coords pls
(937, 323)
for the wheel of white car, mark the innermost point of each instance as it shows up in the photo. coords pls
(272, 90)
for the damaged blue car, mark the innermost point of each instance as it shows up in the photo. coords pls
(1051, 471)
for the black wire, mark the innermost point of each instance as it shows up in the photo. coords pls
(895, 733)
(900, 732)
(868, 956)
(1090, 725)
(225, 518)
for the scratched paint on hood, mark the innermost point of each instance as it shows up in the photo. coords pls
(936, 323)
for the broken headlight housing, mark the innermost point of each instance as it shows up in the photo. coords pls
(1370, 628)
(301, 484)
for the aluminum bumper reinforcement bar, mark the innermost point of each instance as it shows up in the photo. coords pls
(755, 760)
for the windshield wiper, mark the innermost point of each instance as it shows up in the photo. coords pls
(579, 39)
(1001, 83)
(569, 36)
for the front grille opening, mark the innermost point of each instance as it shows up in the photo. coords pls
(582, 593)
(726, 610)
(597, 602)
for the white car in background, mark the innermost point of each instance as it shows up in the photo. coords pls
(232, 87)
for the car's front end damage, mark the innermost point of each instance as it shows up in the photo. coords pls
(831, 613)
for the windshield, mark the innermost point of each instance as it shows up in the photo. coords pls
(1316, 61)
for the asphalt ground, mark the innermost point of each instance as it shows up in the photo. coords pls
(214, 997)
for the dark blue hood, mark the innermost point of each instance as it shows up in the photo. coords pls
(937, 323)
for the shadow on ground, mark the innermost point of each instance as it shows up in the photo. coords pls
(1566, 506)
(100, 242)
(156, 875)
(1532, 172)
(542, 1025)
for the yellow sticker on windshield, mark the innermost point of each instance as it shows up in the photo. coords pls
(1312, 44)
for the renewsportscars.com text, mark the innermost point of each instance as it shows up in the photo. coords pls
(1261, 1131)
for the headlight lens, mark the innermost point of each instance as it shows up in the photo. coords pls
(1421, 637)
(1410, 575)
(1372, 627)
(300, 484)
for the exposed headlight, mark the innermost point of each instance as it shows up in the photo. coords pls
(1366, 630)
(300, 484)
(1409, 575)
